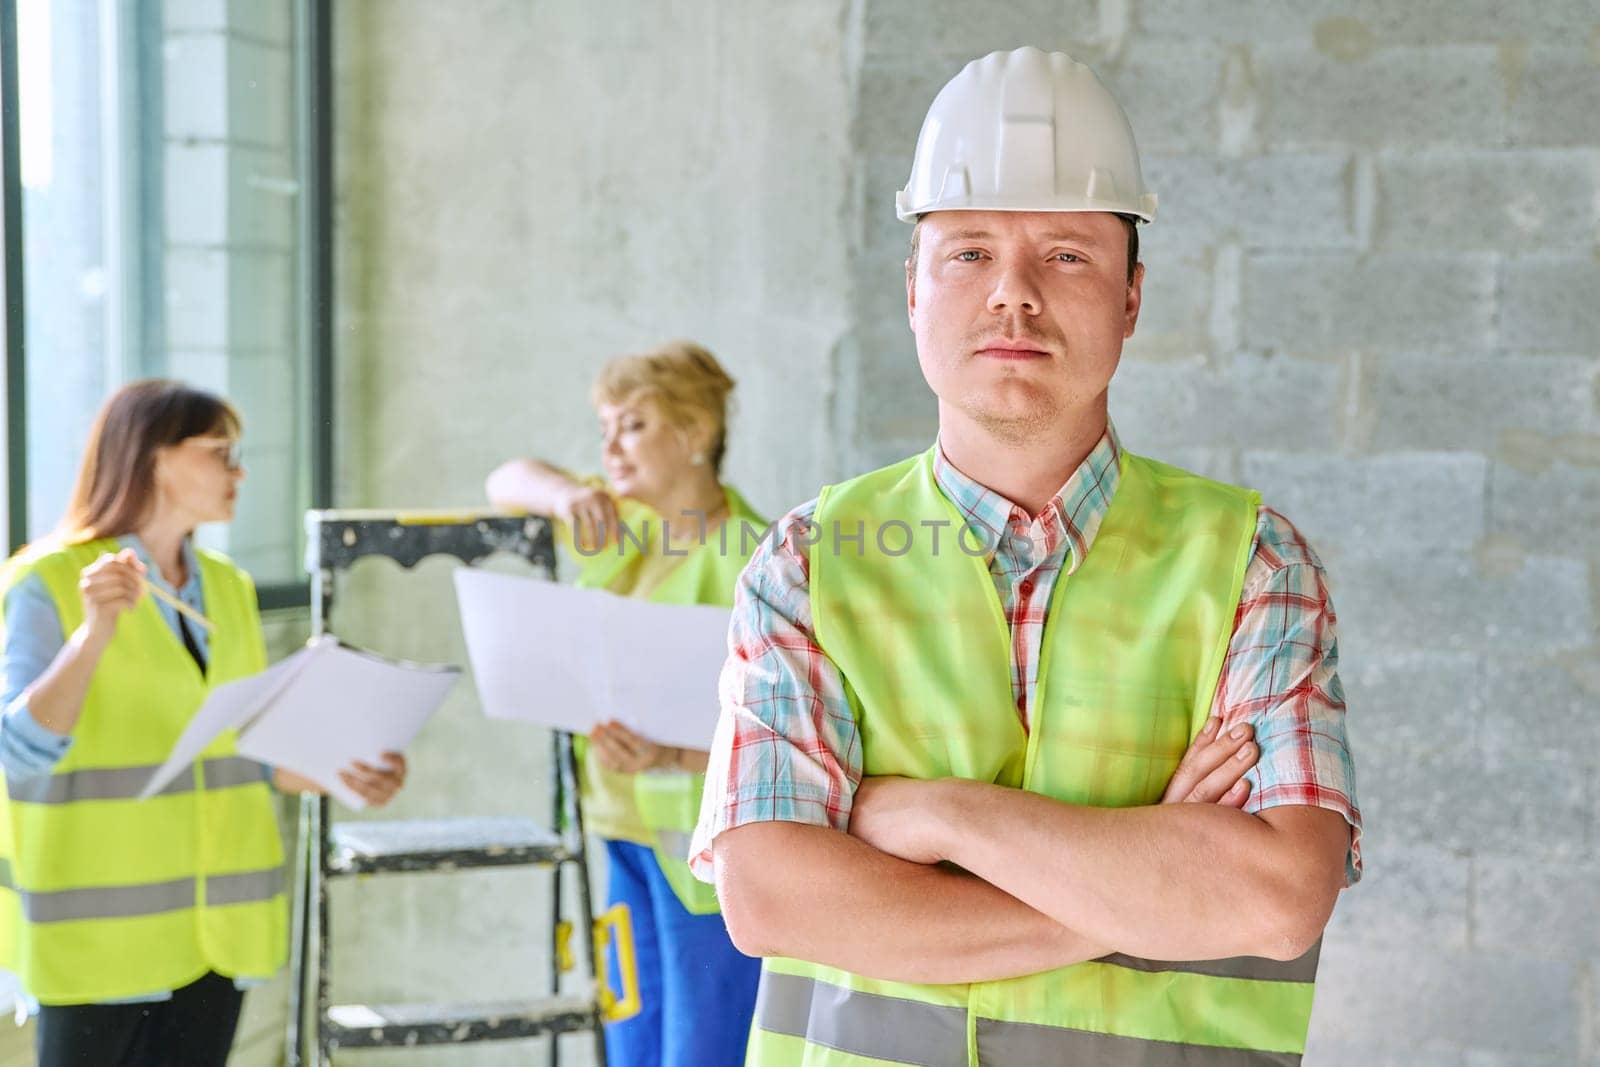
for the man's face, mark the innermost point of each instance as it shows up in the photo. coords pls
(1020, 316)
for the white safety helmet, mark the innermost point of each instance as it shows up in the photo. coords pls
(1025, 131)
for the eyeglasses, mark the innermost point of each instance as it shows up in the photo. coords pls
(226, 449)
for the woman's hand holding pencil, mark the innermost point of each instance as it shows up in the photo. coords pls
(109, 586)
(113, 584)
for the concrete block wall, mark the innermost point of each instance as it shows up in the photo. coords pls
(1371, 294)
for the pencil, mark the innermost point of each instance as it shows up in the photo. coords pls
(166, 597)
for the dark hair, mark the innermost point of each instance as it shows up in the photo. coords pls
(116, 481)
(1133, 244)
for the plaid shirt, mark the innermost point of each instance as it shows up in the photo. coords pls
(787, 747)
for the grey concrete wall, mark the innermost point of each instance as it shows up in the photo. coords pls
(1372, 294)
(525, 191)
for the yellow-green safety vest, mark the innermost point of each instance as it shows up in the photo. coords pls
(108, 897)
(664, 806)
(1130, 658)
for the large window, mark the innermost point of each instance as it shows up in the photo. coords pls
(165, 230)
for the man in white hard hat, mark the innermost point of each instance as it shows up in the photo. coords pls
(967, 691)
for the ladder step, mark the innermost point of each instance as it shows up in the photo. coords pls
(401, 1025)
(442, 845)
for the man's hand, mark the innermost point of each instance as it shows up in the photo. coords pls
(902, 816)
(898, 816)
(1213, 770)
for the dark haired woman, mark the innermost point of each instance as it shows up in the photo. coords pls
(137, 924)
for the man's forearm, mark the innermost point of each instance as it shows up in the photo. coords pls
(1173, 882)
(789, 889)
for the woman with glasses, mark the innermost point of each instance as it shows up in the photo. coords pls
(137, 924)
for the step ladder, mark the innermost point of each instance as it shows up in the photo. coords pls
(336, 540)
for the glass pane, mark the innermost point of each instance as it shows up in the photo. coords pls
(161, 226)
(231, 203)
(63, 128)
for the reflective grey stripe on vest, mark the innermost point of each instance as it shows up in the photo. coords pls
(1303, 969)
(125, 783)
(108, 902)
(865, 1024)
(150, 898)
(935, 1035)
(230, 772)
(247, 888)
(1004, 1044)
(674, 843)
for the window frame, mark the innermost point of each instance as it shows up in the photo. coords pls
(313, 81)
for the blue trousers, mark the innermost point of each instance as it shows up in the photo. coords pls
(698, 991)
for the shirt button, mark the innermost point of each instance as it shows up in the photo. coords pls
(1026, 588)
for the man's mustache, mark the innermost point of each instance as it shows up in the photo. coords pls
(1018, 333)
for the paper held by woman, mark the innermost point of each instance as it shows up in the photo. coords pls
(316, 712)
(571, 659)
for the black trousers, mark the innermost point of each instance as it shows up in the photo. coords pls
(193, 1029)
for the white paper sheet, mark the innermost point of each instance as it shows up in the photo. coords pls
(573, 658)
(535, 648)
(316, 712)
(230, 706)
(346, 705)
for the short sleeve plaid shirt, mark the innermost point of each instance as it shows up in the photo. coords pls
(787, 747)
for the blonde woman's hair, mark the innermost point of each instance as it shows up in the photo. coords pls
(681, 376)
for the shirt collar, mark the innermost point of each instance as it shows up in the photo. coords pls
(191, 565)
(1077, 509)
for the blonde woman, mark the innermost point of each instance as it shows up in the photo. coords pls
(137, 923)
(660, 526)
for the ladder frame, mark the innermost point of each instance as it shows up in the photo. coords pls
(336, 540)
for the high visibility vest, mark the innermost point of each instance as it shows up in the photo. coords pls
(1130, 658)
(660, 808)
(106, 896)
